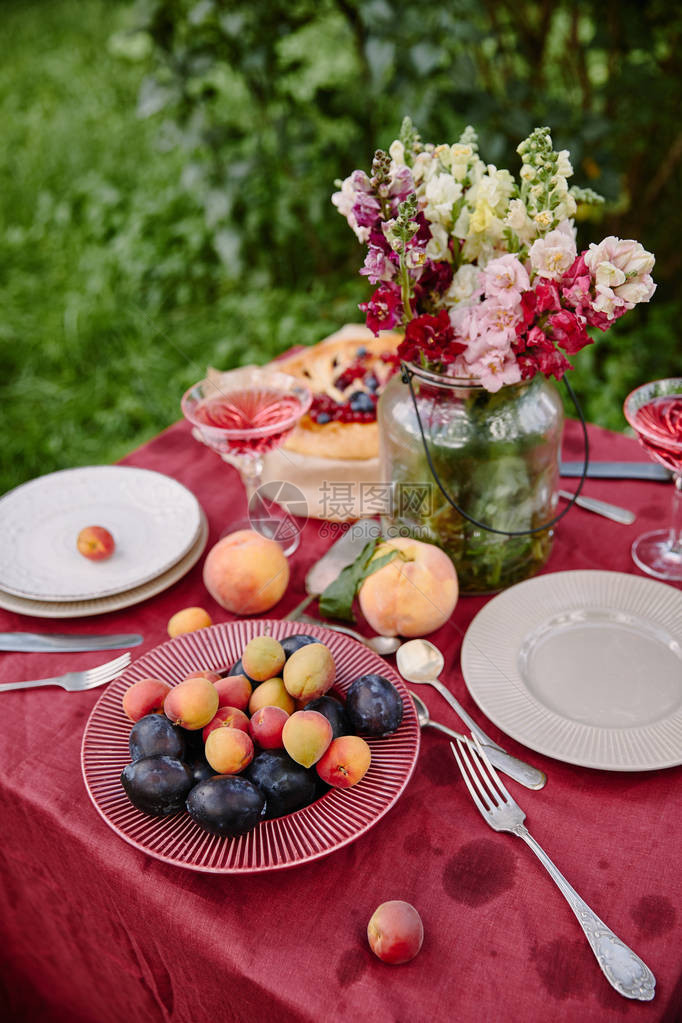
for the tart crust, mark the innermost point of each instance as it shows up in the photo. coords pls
(321, 364)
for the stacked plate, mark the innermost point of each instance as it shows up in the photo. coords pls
(158, 526)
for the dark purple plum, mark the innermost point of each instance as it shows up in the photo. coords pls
(226, 805)
(155, 736)
(374, 706)
(238, 669)
(157, 785)
(334, 712)
(200, 768)
(293, 643)
(285, 784)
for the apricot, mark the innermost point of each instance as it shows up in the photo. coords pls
(309, 672)
(263, 658)
(271, 694)
(95, 543)
(345, 762)
(413, 594)
(246, 573)
(212, 676)
(233, 691)
(395, 932)
(229, 750)
(306, 735)
(190, 619)
(146, 696)
(266, 725)
(226, 717)
(192, 703)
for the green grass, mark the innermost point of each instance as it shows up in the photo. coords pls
(96, 342)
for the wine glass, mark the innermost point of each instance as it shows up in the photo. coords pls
(654, 410)
(242, 414)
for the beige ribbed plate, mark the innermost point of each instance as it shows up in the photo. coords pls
(583, 666)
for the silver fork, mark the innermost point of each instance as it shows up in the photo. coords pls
(77, 681)
(624, 970)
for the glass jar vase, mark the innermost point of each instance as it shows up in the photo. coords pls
(496, 455)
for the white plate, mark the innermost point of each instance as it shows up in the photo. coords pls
(103, 605)
(154, 521)
(583, 666)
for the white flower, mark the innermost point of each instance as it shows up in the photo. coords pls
(527, 172)
(464, 284)
(396, 151)
(460, 157)
(344, 202)
(552, 255)
(563, 166)
(437, 247)
(423, 167)
(621, 271)
(442, 192)
(443, 153)
(461, 226)
(543, 219)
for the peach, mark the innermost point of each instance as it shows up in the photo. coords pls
(309, 672)
(95, 543)
(395, 932)
(229, 750)
(263, 658)
(271, 694)
(306, 735)
(145, 696)
(192, 703)
(226, 717)
(266, 725)
(233, 691)
(212, 676)
(246, 573)
(413, 594)
(190, 619)
(345, 762)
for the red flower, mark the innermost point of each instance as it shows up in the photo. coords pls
(430, 336)
(568, 331)
(384, 309)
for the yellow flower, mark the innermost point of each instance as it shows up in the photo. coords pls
(481, 218)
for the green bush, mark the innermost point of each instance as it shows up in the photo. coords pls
(167, 169)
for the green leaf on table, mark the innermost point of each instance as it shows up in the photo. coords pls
(337, 599)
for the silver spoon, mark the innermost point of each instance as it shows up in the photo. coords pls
(382, 645)
(419, 661)
(503, 761)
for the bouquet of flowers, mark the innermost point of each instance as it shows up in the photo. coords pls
(481, 271)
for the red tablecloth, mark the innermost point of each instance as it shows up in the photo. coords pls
(93, 931)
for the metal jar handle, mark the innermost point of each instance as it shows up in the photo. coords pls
(407, 374)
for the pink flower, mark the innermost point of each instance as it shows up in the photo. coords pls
(620, 271)
(552, 255)
(504, 279)
(384, 309)
(495, 368)
(378, 265)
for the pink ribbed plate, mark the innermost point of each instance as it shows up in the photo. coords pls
(334, 820)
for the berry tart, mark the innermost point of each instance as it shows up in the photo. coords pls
(337, 441)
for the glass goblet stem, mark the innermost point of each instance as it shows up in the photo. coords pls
(676, 522)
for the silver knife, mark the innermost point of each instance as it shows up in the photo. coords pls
(340, 554)
(34, 642)
(617, 470)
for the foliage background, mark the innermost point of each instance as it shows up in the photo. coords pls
(167, 169)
